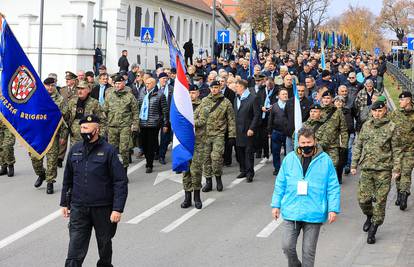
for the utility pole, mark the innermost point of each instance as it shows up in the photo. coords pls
(39, 70)
(213, 28)
(300, 27)
(271, 24)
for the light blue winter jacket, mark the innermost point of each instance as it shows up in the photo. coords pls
(323, 189)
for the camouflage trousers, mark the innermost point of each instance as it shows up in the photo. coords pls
(373, 190)
(192, 178)
(120, 138)
(62, 149)
(213, 156)
(7, 141)
(51, 163)
(334, 154)
(403, 183)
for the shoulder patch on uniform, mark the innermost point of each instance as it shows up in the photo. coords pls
(100, 154)
(77, 154)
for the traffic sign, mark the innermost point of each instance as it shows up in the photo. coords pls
(377, 51)
(223, 36)
(410, 43)
(260, 36)
(312, 43)
(147, 35)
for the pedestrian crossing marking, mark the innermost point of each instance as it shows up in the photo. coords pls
(270, 228)
(147, 37)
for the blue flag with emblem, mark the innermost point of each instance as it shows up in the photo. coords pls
(25, 106)
(172, 43)
(254, 55)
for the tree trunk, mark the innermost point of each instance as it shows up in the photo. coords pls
(305, 36)
(400, 35)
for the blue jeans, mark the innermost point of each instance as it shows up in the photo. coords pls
(277, 140)
(350, 143)
(289, 145)
(166, 138)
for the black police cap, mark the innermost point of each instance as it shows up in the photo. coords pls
(193, 87)
(89, 74)
(214, 83)
(119, 78)
(327, 93)
(377, 105)
(89, 119)
(315, 106)
(49, 81)
(405, 94)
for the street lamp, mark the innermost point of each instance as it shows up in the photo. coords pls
(213, 28)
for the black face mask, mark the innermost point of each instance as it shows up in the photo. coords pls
(307, 149)
(87, 137)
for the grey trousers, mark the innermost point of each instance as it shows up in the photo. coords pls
(290, 234)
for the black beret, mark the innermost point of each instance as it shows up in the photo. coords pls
(89, 74)
(214, 83)
(89, 119)
(259, 77)
(173, 70)
(198, 77)
(162, 75)
(327, 93)
(315, 106)
(122, 72)
(193, 87)
(377, 105)
(325, 73)
(119, 78)
(405, 94)
(49, 81)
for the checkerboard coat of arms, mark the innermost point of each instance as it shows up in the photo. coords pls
(22, 85)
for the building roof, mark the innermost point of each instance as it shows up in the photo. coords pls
(199, 5)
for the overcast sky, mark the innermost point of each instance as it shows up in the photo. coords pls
(336, 7)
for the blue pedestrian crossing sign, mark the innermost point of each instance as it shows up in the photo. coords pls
(377, 51)
(223, 36)
(410, 43)
(312, 43)
(147, 35)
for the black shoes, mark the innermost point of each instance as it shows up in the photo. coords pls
(197, 200)
(219, 183)
(60, 163)
(249, 178)
(187, 200)
(347, 170)
(371, 233)
(162, 161)
(398, 201)
(403, 200)
(258, 155)
(367, 224)
(126, 172)
(39, 181)
(241, 175)
(49, 189)
(275, 172)
(3, 170)
(208, 186)
(148, 170)
(10, 171)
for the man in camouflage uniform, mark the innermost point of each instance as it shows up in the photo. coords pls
(333, 133)
(68, 92)
(78, 107)
(218, 113)
(7, 160)
(404, 120)
(378, 153)
(363, 100)
(52, 155)
(121, 110)
(192, 178)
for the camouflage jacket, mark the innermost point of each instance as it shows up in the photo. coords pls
(199, 124)
(121, 109)
(333, 133)
(91, 107)
(68, 93)
(221, 119)
(377, 146)
(404, 120)
(60, 102)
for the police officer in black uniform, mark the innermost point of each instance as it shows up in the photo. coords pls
(93, 195)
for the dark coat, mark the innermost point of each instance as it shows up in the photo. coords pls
(158, 110)
(123, 64)
(188, 49)
(277, 120)
(305, 105)
(247, 117)
(95, 91)
(230, 95)
(96, 176)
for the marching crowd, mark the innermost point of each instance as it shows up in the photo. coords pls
(252, 115)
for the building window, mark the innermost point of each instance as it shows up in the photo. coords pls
(207, 34)
(178, 31)
(147, 19)
(138, 16)
(128, 23)
(185, 30)
(191, 29)
(197, 33)
(155, 25)
(201, 35)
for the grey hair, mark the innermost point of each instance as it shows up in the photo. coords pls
(306, 132)
(369, 81)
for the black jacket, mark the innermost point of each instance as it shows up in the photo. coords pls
(95, 91)
(277, 120)
(96, 176)
(349, 118)
(230, 95)
(123, 64)
(247, 117)
(305, 105)
(158, 110)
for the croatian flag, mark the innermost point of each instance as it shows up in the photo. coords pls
(182, 122)
(297, 112)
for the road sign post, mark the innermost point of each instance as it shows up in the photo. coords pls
(147, 37)
(223, 37)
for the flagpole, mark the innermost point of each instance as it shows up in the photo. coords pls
(39, 69)
(213, 29)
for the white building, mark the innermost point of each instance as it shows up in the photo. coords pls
(70, 31)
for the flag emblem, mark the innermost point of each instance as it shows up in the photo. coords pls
(22, 85)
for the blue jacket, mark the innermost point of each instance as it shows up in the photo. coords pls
(96, 176)
(323, 189)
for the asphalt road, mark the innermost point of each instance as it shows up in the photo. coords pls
(234, 228)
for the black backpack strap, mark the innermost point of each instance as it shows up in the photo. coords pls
(216, 105)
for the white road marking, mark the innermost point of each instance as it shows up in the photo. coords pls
(186, 216)
(270, 228)
(47, 219)
(151, 211)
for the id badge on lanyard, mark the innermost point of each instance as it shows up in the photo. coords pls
(302, 189)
